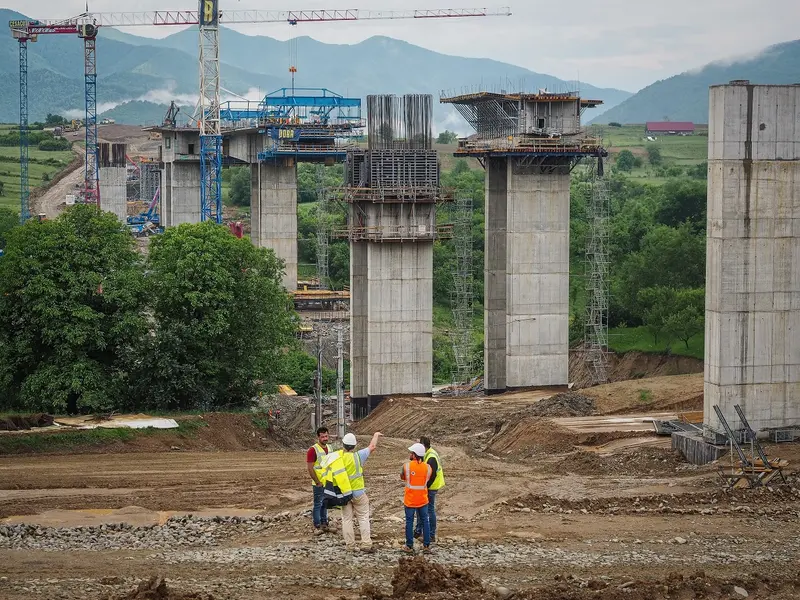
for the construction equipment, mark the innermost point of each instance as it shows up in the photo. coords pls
(750, 471)
(208, 18)
(147, 222)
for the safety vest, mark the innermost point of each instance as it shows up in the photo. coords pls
(321, 453)
(416, 492)
(438, 481)
(355, 472)
(338, 490)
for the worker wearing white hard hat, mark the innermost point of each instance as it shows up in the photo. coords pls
(416, 474)
(354, 463)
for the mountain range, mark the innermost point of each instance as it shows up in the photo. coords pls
(684, 97)
(138, 76)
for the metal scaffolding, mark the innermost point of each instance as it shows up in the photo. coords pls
(462, 290)
(323, 228)
(596, 332)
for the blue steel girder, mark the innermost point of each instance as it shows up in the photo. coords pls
(211, 178)
(24, 187)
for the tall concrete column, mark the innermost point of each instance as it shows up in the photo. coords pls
(399, 318)
(358, 325)
(752, 336)
(113, 180)
(526, 278)
(537, 272)
(494, 322)
(180, 193)
(273, 207)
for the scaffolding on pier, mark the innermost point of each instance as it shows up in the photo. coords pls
(462, 291)
(597, 263)
(323, 228)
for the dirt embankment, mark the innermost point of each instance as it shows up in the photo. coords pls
(211, 432)
(632, 365)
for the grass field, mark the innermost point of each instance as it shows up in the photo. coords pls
(676, 151)
(629, 339)
(9, 171)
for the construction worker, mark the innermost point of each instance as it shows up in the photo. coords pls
(416, 474)
(354, 463)
(314, 457)
(435, 484)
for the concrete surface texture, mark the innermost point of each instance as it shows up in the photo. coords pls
(399, 318)
(114, 191)
(526, 277)
(273, 209)
(358, 320)
(180, 193)
(752, 335)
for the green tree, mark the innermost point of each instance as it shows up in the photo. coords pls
(8, 220)
(70, 294)
(688, 314)
(2, 188)
(658, 304)
(683, 200)
(698, 171)
(240, 186)
(669, 256)
(626, 161)
(52, 120)
(447, 137)
(654, 155)
(221, 320)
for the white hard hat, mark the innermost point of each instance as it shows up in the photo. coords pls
(417, 449)
(349, 440)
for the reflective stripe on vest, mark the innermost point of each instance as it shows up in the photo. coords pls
(354, 470)
(416, 491)
(336, 475)
(438, 481)
(321, 454)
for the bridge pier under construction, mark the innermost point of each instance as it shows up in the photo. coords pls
(529, 144)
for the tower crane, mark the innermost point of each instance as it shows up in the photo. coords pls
(208, 18)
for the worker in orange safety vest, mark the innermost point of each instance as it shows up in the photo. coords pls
(416, 474)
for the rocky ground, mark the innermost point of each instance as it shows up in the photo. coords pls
(557, 520)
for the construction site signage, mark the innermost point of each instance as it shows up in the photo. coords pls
(209, 16)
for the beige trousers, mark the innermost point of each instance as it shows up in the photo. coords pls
(359, 506)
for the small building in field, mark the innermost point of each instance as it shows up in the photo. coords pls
(669, 128)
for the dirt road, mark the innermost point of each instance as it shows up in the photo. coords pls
(94, 525)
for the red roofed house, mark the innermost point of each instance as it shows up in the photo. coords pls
(669, 127)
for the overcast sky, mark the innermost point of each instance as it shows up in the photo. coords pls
(609, 43)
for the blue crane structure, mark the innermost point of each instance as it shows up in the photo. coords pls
(208, 18)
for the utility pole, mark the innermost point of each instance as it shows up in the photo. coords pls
(318, 382)
(340, 381)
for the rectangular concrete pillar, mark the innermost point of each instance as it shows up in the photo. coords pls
(358, 321)
(273, 208)
(399, 318)
(537, 278)
(526, 278)
(180, 193)
(114, 191)
(752, 335)
(112, 178)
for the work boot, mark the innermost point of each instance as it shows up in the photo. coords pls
(408, 550)
(433, 537)
(417, 535)
(427, 550)
(368, 550)
(318, 531)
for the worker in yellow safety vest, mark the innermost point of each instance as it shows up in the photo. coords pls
(337, 489)
(354, 463)
(314, 457)
(435, 484)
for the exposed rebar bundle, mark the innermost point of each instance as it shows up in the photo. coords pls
(400, 122)
(462, 291)
(596, 333)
